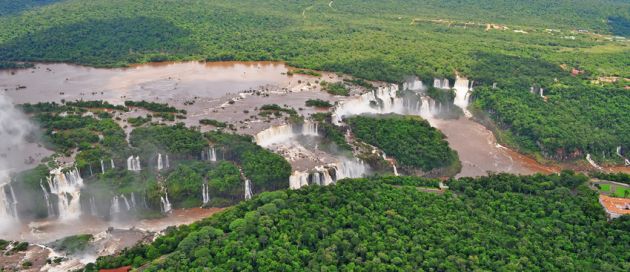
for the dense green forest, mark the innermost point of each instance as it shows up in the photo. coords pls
(370, 39)
(379, 40)
(570, 122)
(497, 223)
(409, 139)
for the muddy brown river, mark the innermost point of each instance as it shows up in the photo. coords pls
(224, 91)
(211, 85)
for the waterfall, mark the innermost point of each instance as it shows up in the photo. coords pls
(93, 209)
(592, 162)
(205, 194)
(115, 207)
(91, 173)
(167, 163)
(328, 174)
(67, 188)
(413, 84)
(49, 206)
(248, 185)
(426, 110)
(8, 204)
(625, 160)
(298, 180)
(133, 163)
(133, 200)
(274, 134)
(112, 162)
(392, 162)
(126, 201)
(166, 204)
(349, 169)
(248, 189)
(463, 87)
(283, 133)
(310, 128)
(212, 154)
(542, 92)
(441, 83)
(159, 162)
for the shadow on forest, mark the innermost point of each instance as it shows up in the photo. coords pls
(12, 7)
(111, 42)
(374, 68)
(514, 71)
(619, 26)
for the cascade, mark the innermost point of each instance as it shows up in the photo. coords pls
(126, 201)
(93, 209)
(248, 185)
(133, 200)
(67, 188)
(462, 93)
(426, 109)
(133, 163)
(298, 179)
(115, 207)
(8, 204)
(112, 162)
(392, 163)
(282, 133)
(49, 206)
(349, 169)
(441, 83)
(205, 195)
(212, 154)
(592, 162)
(102, 167)
(413, 84)
(167, 163)
(159, 162)
(321, 175)
(310, 128)
(274, 134)
(166, 204)
(625, 160)
(137, 164)
(6, 213)
(380, 101)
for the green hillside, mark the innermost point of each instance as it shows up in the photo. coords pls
(381, 40)
(497, 223)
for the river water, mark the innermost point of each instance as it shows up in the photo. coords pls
(211, 85)
(204, 90)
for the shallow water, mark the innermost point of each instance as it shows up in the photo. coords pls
(479, 151)
(162, 81)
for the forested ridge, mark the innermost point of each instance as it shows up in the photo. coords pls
(370, 39)
(377, 40)
(498, 223)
